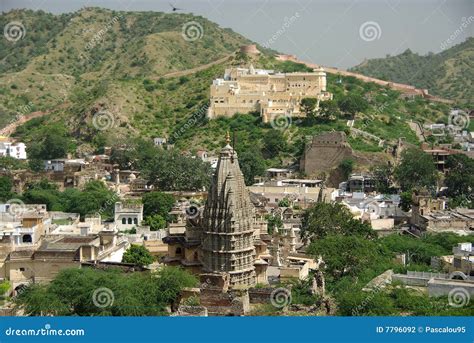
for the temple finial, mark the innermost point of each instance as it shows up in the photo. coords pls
(227, 137)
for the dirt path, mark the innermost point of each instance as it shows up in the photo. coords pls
(196, 69)
(21, 119)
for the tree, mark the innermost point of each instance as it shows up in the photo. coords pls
(9, 163)
(332, 218)
(95, 198)
(251, 164)
(93, 292)
(52, 141)
(155, 222)
(347, 254)
(274, 142)
(416, 170)
(157, 203)
(328, 108)
(139, 255)
(352, 104)
(405, 201)
(170, 281)
(346, 166)
(6, 186)
(460, 179)
(308, 106)
(285, 202)
(171, 171)
(382, 174)
(274, 223)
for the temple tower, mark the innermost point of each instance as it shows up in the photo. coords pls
(227, 223)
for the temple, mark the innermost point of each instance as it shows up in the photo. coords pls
(227, 223)
(223, 240)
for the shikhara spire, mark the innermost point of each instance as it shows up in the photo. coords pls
(227, 223)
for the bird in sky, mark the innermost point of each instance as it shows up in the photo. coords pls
(174, 9)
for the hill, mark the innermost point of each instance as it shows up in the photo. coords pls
(151, 81)
(448, 74)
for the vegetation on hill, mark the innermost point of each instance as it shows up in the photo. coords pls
(123, 81)
(448, 74)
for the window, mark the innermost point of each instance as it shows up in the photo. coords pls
(22, 269)
(135, 221)
(178, 251)
(27, 239)
(124, 221)
(130, 220)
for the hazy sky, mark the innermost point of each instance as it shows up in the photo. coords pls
(337, 33)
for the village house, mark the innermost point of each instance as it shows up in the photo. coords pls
(462, 260)
(128, 214)
(10, 149)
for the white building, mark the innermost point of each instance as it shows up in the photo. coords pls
(15, 150)
(128, 214)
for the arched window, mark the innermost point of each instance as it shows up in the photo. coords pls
(124, 221)
(130, 220)
(27, 239)
(135, 221)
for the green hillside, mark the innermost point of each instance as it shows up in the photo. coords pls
(449, 74)
(153, 83)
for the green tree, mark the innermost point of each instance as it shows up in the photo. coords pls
(251, 164)
(155, 222)
(157, 203)
(274, 223)
(171, 171)
(170, 281)
(9, 163)
(78, 292)
(332, 218)
(460, 179)
(405, 200)
(328, 108)
(308, 107)
(139, 255)
(351, 104)
(285, 202)
(382, 174)
(347, 254)
(51, 141)
(274, 142)
(6, 186)
(416, 170)
(346, 166)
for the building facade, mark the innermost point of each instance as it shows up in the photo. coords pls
(271, 94)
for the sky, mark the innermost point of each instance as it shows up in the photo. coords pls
(339, 33)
